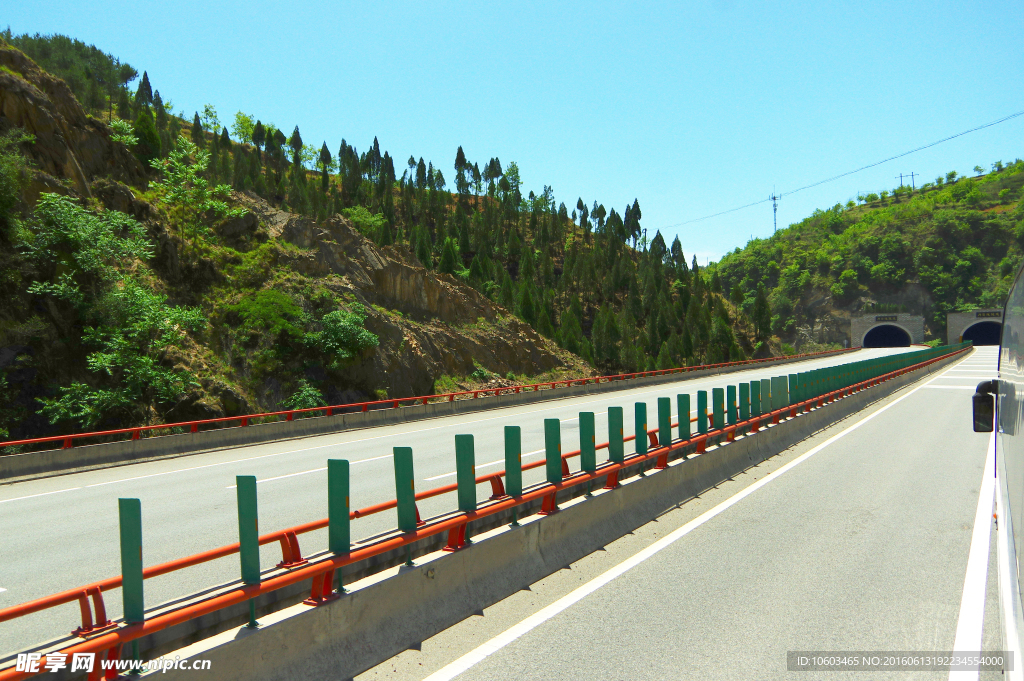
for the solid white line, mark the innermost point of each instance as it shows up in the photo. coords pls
(41, 494)
(314, 470)
(951, 387)
(972, 603)
(2, 590)
(480, 653)
(483, 465)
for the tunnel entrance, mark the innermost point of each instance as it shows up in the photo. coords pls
(887, 336)
(984, 333)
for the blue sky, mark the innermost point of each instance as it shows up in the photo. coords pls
(692, 108)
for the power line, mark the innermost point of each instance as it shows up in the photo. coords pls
(851, 172)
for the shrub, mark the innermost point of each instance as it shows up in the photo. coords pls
(342, 336)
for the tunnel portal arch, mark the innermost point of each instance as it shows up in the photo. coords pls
(887, 335)
(985, 332)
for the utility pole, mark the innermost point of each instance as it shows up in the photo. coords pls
(775, 211)
(911, 176)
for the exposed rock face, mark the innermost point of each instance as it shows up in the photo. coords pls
(443, 325)
(69, 146)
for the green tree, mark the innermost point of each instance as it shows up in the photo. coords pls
(307, 396)
(198, 138)
(295, 142)
(448, 257)
(243, 128)
(259, 136)
(187, 193)
(342, 337)
(762, 314)
(13, 178)
(148, 147)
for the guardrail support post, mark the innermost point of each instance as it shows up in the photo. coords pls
(664, 421)
(683, 407)
(130, 520)
(338, 524)
(553, 450)
(339, 532)
(718, 408)
(514, 466)
(640, 426)
(588, 442)
(248, 536)
(616, 448)
(405, 494)
(465, 466)
(702, 411)
(730, 404)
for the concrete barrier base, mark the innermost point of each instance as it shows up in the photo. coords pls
(397, 607)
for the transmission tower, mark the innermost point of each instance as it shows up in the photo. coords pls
(775, 211)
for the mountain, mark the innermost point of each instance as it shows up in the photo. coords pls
(155, 268)
(952, 244)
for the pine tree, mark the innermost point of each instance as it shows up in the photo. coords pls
(526, 305)
(148, 146)
(225, 140)
(198, 138)
(325, 166)
(295, 142)
(259, 136)
(506, 294)
(144, 94)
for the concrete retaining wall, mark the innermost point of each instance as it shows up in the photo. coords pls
(399, 607)
(16, 467)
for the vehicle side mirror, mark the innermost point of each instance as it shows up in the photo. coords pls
(984, 402)
(984, 412)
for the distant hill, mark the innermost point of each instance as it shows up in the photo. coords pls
(952, 244)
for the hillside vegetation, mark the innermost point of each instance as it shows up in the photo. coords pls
(951, 244)
(155, 268)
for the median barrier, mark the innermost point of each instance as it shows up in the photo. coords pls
(578, 528)
(78, 458)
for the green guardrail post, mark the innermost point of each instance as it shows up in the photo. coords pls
(794, 388)
(465, 471)
(248, 536)
(130, 520)
(405, 494)
(513, 461)
(588, 442)
(640, 427)
(717, 407)
(339, 527)
(616, 448)
(784, 388)
(767, 402)
(664, 421)
(744, 401)
(514, 466)
(683, 407)
(730, 403)
(702, 411)
(553, 449)
(755, 398)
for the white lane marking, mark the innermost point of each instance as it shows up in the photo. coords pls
(2, 590)
(972, 603)
(951, 387)
(41, 494)
(314, 470)
(492, 646)
(483, 465)
(1008, 594)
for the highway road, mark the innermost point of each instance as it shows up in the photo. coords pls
(62, 532)
(874, 535)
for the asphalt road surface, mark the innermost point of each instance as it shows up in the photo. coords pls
(874, 535)
(62, 532)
